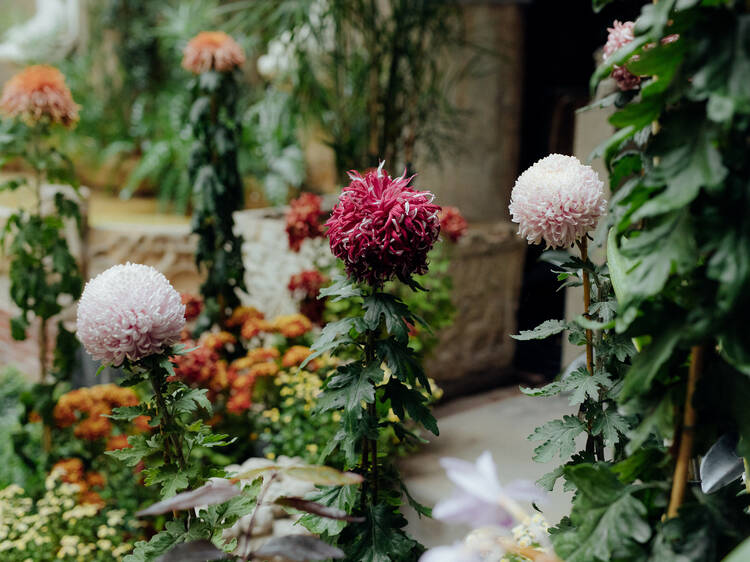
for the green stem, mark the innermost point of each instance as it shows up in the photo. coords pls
(176, 455)
(372, 445)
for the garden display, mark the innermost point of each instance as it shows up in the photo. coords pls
(232, 434)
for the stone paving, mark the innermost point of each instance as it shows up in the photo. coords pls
(498, 421)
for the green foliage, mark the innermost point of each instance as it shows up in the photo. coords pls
(677, 253)
(371, 401)
(218, 192)
(173, 407)
(367, 73)
(43, 272)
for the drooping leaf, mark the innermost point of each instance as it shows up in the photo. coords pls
(544, 330)
(299, 548)
(318, 509)
(194, 551)
(214, 492)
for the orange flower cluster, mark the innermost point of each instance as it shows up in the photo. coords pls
(292, 325)
(245, 371)
(295, 355)
(212, 50)
(204, 366)
(253, 323)
(87, 407)
(39, 92)
(73, 473)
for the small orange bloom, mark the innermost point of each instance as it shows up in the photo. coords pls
(267, 369)
(242, 314)
(39, 92)
(141, 423)
(95, 479)
(91, 498)
(239, 402)
(93, 428)
(118, 442)
(212, 50)
(292, 325)
(72, 470)
(295, 355)
(254, 327)
(34, 417)
(216, 341)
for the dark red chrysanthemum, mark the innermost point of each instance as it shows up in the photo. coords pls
(306, 286)
(453, 225)
(382, 228)
(303, 220)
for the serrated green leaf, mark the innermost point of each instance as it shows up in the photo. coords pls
(544, 330)
(352, 385)
(558, 438)
(583, 384)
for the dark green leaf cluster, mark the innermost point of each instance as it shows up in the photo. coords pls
(168, 453)
(217, 192)
(678, 262)
(384, 377)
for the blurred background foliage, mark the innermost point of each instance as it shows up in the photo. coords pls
(359, 76)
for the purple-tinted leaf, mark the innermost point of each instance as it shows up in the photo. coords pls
(318, 509)
(195, 551)
(299, 548)
(211, 493)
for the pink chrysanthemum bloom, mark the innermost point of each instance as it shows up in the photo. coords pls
(212, 50)
(382, 228)
(39, 92)
(129, 311)
(453, 225)
(557, 200)
(620, 34)
(303, 219)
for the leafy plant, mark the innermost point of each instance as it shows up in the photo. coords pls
(361, 393)
(677, 254)
(218, 192)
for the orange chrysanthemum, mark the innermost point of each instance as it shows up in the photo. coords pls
(39, 92)
(292, 325)
(295, 355)
(267, 369)
(242, 314)
(254, 327)
(118, 442)
(93, 428)
(91, 498)
(141, 423)
(72, 470)
(212, 50)
(95, 479)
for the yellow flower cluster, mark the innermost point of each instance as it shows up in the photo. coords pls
(299, 385)
(57, 527)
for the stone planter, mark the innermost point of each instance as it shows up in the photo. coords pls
(486, 269)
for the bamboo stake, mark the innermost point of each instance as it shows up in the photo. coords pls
(679, 481)
(583, 246)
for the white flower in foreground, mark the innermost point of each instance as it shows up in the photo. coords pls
(557, 200)
(480, 499)
(454, 553)
(129, 311)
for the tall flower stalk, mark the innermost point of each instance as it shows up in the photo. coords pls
(558, 200)
(215, 58)
(381, 228)
(131, 316)
(43, 272)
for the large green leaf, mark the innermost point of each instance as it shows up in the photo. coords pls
(606, 521)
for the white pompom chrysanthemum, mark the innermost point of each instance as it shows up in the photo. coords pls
(129, 311)
(557, 200)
